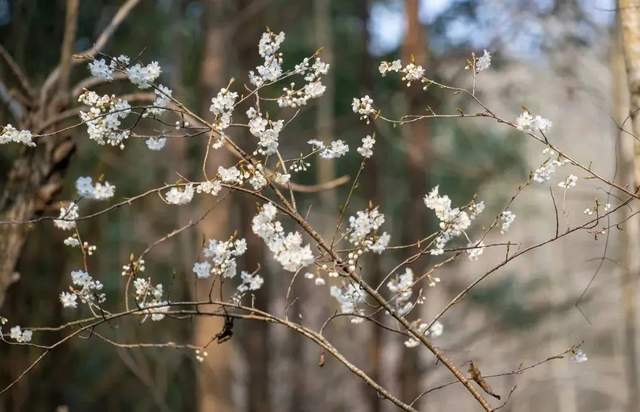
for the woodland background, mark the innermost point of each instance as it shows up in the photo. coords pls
(558, 58)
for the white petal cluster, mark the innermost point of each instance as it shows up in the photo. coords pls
(99, 191)
(548, 167)
(484, 62)
(266, 130)
(364, 107)
(150, 296)
(230, 175)
(156, 143)
(222, 107)
(250, 282)
(401, 286)
(528, 123)
(162, 100)
(19, 335)
(104, 118)
(569, 182)
(363, 230)
(349, 298)
(11, 134)
(334, 150)
(220, 258)
(475, 250)
(579, 356)
(387, 67)
(287, 248)
(69, 300)
(144, 76)
(453, 221)
(256, 176)
(86, 288)
(366, 150)
(212, 187)
(435, 331)
(67, 217)
(313, 87)
(180, 196)
(271, 69)
(100, 69)
(506, 217)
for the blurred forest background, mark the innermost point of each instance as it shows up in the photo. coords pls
(558, 58)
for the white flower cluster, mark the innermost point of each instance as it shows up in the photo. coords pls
(434, 332)
(363, 231)
(529, 123)
(271, 69)
(144, 76)
(149, 296)
(104, 118)
(482, 63)
(313, 87)
(411, 72)
(506, 217)
(544, 172)
(579, 356)
(99, 191)
(366, 150)
(318, 280)
(85, 287)
(67, 217)
(220, 258)
(287, 248)
(349, 298)
(162, 100)
(156, 143)
(101, 70)
(11, 134)
(212, 187)
(475, 250)
(250, 282)
(364, 107)
(179, 196)
(230, 175)
(453, 221)
(569, 182)
(402, 288)
(20, 335)
(266, 130)
(334, 150)
(222, 107)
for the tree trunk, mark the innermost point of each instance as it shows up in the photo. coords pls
(418, 151)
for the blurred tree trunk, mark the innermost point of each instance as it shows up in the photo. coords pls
(214, 374)
(626, 102)
(418, 151)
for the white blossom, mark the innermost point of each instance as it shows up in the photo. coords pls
(334, 150)
(385, 67)
(230, 175)
(435, 331)
(250, 282)
(101, 70)
(220, 258)
(349, 298)
(19, 335)
(363, 229)
(222, 107)
(144, 76)
(156, 143)
(104, 117)
(401, 286)
(287, 248)
(579, 356)
(475, 250)
(506, 217)
(11, 134)
(162, 100)
(69, 300)
(364, 107)
(66, 219)
(271, 69)
(569, 182)
(453, 221)
(366, 150)
(212, 187)
(529, 123)
(99, 191)
(179, 196)
(266, 130)
(86, 287)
